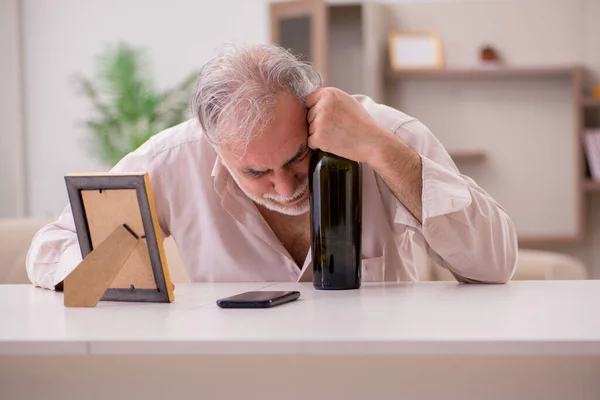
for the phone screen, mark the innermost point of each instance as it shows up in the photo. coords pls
(258, 295)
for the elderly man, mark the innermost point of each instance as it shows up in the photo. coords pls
(231, 185)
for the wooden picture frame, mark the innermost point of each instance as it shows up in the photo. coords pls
(413, 51)
(102, 204)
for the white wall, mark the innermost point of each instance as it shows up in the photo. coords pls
(62, 37)
(12, 184)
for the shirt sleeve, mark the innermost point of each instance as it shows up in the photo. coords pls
(54, 252)
(464, 229)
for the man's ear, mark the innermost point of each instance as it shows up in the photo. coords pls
(222, 161)
(219, 156)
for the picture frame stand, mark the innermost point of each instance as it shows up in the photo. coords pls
(85, 286)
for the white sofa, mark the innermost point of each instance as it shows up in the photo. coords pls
(16, 236)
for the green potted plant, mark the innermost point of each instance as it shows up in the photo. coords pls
(128, 109)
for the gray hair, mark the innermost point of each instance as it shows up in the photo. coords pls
(237, 89)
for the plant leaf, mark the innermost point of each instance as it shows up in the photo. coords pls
(128, 110)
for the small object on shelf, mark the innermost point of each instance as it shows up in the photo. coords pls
(489, 57)
(596, 92)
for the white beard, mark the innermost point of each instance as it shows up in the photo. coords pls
(276, 202)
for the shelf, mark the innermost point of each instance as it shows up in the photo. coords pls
(467, 155)
(591, 186)
(548, 240)
(591, 102)
(486, 72)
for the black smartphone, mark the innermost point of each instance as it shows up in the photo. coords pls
(258, 299)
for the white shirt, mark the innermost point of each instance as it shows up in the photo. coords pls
(221, 236)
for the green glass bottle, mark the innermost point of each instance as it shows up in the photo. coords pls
(335, 185)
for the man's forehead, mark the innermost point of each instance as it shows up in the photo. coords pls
(262, 160)
(267, 148)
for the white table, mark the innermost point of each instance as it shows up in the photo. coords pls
(426, 340)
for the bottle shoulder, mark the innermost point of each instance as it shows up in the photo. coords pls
(321, 160)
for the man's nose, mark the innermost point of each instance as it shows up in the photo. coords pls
(285, 182)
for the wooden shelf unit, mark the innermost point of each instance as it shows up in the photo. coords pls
(572, 73)
(467, 155)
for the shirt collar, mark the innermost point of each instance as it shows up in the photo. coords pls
(232, 197)
(220, 176)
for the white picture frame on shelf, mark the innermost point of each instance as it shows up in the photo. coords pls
(410, 51)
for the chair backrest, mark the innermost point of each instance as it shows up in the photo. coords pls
(538, 265)
(15, 239)
(176, 267)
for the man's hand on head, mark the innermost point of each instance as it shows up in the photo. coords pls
(339, 124)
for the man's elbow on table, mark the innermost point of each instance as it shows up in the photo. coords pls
(475, 246)
(493, 260)
(502, 248)
(496, 270)
(508, 263)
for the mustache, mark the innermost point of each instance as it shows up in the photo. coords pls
(282, 199)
